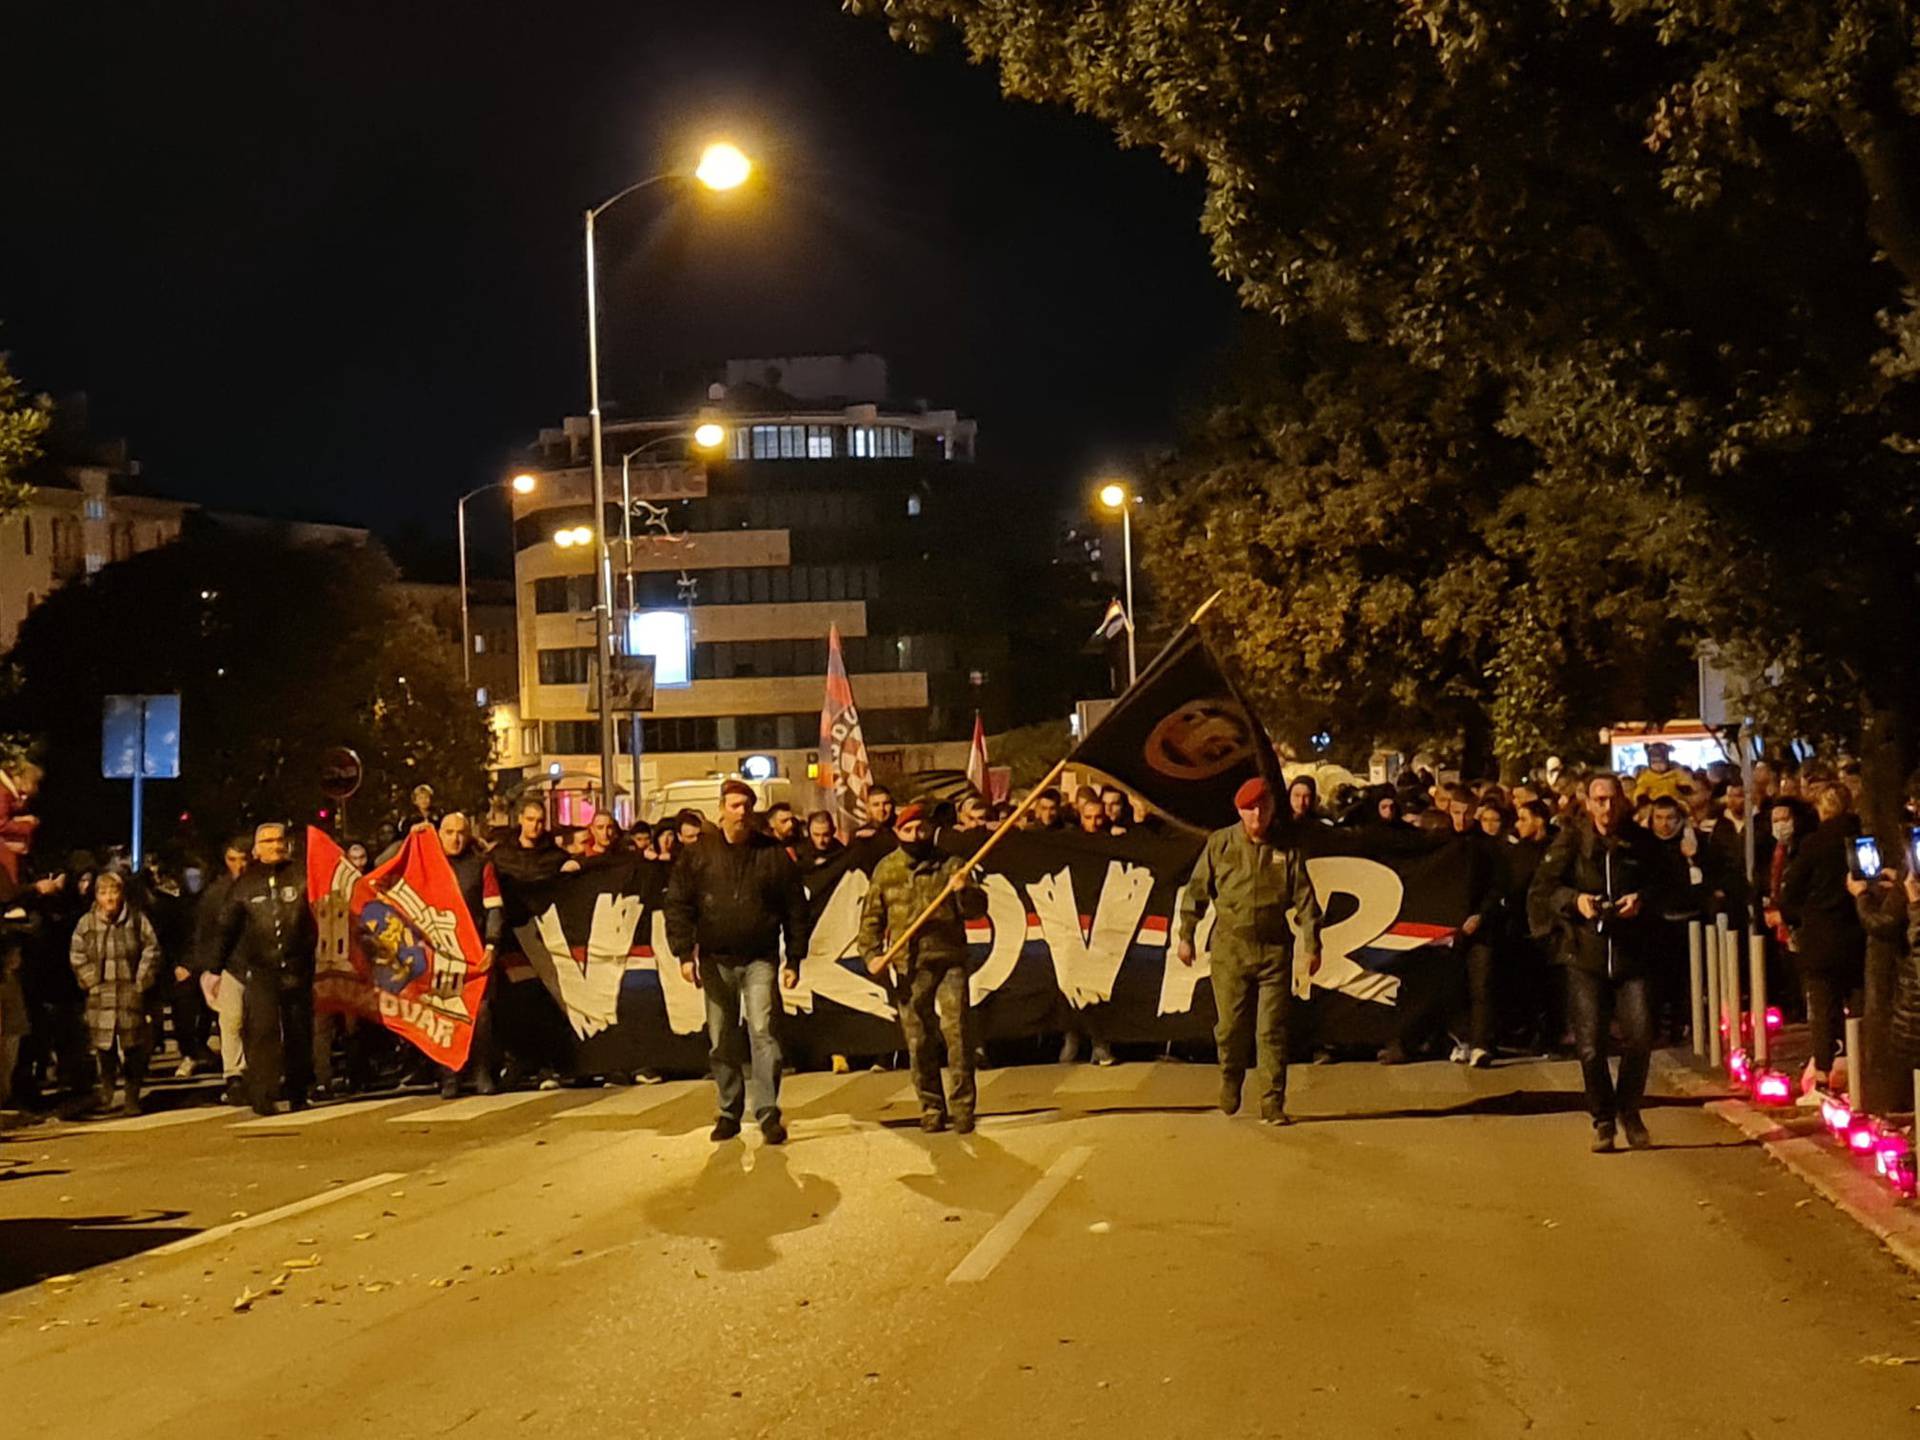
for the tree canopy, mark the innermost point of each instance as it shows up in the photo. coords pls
(22, 421)
(1595, 331)
(279, 653)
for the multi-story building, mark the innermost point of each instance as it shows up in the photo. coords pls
(827, 506)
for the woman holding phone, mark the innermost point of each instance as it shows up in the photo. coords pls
(1830, 947)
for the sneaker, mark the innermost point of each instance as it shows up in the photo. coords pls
(962, 1123)
(1809, 1100)
(1230, 1093)
(1272, 1112)
(1394, 1054)
(1103, 1053)
(933, 1122)
(450, 1087)
(1636, 1132)
(132, 1106)
(298, 1101)
(725, 1128)
(1480, 1059)
(550, 1082)
(1070, 1048)
(485, 1084)
(235, 1092)
(264, 1108)
(647, 1077)
(186, 1070)
(1603, 1137)
(1460, 1053)
(773, 1130)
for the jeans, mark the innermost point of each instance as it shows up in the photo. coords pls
(1594, 1002)
(1250, 997)
(937, 999)
(732, 987)
(1825, 995)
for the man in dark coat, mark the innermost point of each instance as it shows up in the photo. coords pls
(268, 938)
(1829, 945)
(1599, 888)
(731, 902)
(480, 892)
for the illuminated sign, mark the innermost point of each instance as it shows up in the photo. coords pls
(667, 636)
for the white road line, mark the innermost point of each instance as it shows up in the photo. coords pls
(474, 1107)
(637, 1101)
(1104, 1079)
(267, 1217)
(320, 1114)
(154, 1120)
(812, 1087)
(998, 1242)
(983, 1081)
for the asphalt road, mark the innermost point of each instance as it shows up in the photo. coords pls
(1432, 1252)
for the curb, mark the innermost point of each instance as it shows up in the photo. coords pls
(1830, 1173)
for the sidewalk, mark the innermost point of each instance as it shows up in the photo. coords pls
(1800, 1142)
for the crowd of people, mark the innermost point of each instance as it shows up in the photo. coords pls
(1581, 886)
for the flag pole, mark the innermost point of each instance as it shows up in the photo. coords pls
(874, 967)
(1205, 605)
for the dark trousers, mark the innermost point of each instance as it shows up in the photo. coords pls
(192, 1021)
(1250, 999)
(118, 1059)
(1594, 1002)
(1475, 1018)
(279, 1029)
(936, 1001)
(1826, 993)
(481, 1059)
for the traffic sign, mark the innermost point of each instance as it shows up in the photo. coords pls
(340, 773)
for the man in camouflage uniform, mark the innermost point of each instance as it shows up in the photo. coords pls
(930, 973)
(1252, 878)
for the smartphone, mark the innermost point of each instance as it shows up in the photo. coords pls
(1864, 858)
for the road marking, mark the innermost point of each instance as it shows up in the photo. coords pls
(267, 1217)
(474, 1107)
(983, 1081)
(1104, 1079)
(637, 1101)
(998, 1242)
(813, 1087)
(320, 1114)
(156, 1120)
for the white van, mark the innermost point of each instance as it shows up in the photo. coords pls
(704, 795)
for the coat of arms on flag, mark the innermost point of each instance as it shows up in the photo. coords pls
(397, 944)
(844, 770)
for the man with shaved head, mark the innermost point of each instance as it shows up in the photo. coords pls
(268, 939)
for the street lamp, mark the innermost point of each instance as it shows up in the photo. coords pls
(1116, 496)
(721, 167)
(522, 484)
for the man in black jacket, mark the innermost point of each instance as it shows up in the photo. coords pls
(731, 901)
(268, 939)
(1598, 888)
(480, 891)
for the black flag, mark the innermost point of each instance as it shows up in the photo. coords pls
(1182, 737)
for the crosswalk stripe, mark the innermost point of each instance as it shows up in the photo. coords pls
(474, 1107)
(1104, 1079)
(998, 1242)
(983, 1081)
(153, 1120)
(812, 1087)
(639, 1100)
(320, 1114)
(298, 1207)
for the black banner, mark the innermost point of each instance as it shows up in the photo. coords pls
(1078, 934)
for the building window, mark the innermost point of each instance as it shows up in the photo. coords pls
(479, 644)
(913, 504)
(571, 737)
(565, 667)
(562, 594)
(819, 442)
(480, 696)
(94, 562)
(95, 508)
(529, 739)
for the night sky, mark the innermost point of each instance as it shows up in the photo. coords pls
(324, 259)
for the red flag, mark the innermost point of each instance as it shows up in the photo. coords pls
(398, 944)
(977, 759)
(844, 772)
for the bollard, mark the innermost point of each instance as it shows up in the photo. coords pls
(1716, 974)
(1855, 1070)
(1757, 1002)
(1696, 988)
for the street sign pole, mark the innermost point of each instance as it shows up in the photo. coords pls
(140, 741)
(139, 788)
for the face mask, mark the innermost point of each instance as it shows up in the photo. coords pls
(919, 849)
(1783, 832)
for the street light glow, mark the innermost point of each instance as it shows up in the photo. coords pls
(523, 484)
(723, 167)
(710, 436)
(577, 535)
(1113, 495)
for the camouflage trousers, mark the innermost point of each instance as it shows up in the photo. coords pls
(1250, 998)
(930, 999)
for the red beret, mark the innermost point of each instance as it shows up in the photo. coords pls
(1251, 794)
(915, 811)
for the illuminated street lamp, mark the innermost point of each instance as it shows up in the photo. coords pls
(1116, 496)
(721, 167)
(522, 484)
(574, 535)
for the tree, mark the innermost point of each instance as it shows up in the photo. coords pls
(279, 654)
(22, 421)
(1612, 307)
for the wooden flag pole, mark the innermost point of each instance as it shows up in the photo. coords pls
(880, 963)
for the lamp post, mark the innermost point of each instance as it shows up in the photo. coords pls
(1116, 496)
(706, 436)
(721, 167)
(520, 485)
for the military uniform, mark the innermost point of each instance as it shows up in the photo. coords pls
(1252, 885)
(930, 974)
